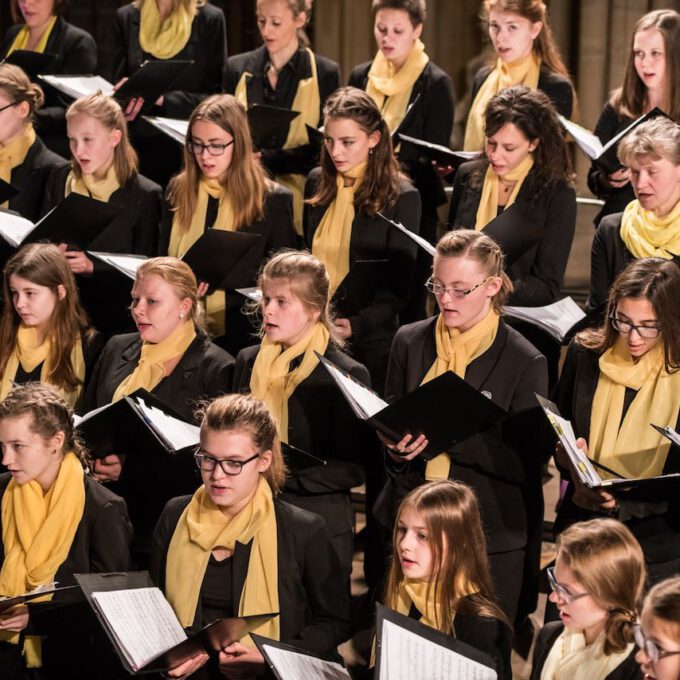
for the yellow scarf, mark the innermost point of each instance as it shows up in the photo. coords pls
(332, 238)
(21, 40)
(308, 102)
(634, 449)
(182, 239)
(203, 527)
(273, 382)
(29, 353)
(569, 658)
(647, 235)
(164, 40)
(488, 203)
(391, 91)
(87, 185)
(37, 533)
(455, 350)
(150, 369)
(524, 71)
(14, 153)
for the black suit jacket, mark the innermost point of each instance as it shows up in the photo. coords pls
(501, 463)
(313, 597)
(280, 161)
(488, 635)
(627, 670)
(538, 274)
(207, 48)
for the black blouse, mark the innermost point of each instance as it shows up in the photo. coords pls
(217, 598)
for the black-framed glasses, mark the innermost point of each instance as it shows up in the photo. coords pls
(229, 467)
(647, 332)
(7, 106)
(458, 293)
(651, 649)
(213, 148)
(560, 590)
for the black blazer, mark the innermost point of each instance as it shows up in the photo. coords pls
(499, 463)
(659, 531)
(488, 635)
(627, 670)
(374, 239)
(321, 422)
(313, 597)
(557, 87)
(430, 119)
(538, 274)
(207, 48)
(280, 161)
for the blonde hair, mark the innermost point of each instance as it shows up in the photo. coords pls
(18, 87)
(607, 561)
(297, 7)
(109, 113)
(483, 249)
(654, 139)
(243, 412)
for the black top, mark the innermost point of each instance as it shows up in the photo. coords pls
(626, 670)
(538, 274)
(216, 590)
(207, 48)
(277, 160)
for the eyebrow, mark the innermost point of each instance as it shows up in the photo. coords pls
(643, 320)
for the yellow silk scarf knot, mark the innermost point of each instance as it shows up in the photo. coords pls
(525, 71)
(165, 40)
(21, 40)
(88, 185)
(647, 235)
(14, 153)
(204, 527)
(455, 350)
(332, 238)
(273, 382)
(488, 203)
(390, 90)
(633, 448)
(151, 370)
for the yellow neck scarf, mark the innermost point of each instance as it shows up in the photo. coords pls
(488, 203)
(14, 153)
(21, 40)
(308, 102)
(164, 40)
(647, 235)
(273, 382)
(391, 90)
(37, 533)
(29, 353)
(569, 658)
(455, 350)
(87, 185)
(524, 71)
(204, 527)
(150, 370)
(634, 449)
(333, 235)
(181, 239)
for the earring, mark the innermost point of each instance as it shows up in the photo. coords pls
(181, 315)
(370, 151)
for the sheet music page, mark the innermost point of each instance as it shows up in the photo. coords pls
(128, 264)
(558, 318)
(589, 143)
(143, 622)
(178, 433)
(293, 666)
(79, 420)
(80, 86)
(368, 402)
(173, 127)
(14, 228)
(407, 656)
(423, 243)
(253, 293)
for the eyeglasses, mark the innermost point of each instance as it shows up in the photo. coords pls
(229, 467)
(457, 293)
(651, 649)
(7, 106)
(560, 590)
(648, 332)
(198, 148)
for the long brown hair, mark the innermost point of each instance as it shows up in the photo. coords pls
(245, 179)
(656, 280)
(44, 265)
(630, 100)
(380, 186)
(455, 536)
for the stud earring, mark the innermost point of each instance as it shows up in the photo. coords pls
(181, 315)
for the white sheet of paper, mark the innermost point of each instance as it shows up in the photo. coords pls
(14, 228)
(80, 86)
(79, 420)
(407, 656)
(253, 293)
(557, 318)
(589, 143)
(128, 264)
(368, 401)
(293, 666)
(173, 127)
(178, 433)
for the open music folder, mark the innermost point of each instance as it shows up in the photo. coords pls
(556, 319)
(7, 602)
(267, 121)
(438, 153)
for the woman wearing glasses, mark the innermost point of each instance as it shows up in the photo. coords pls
(597, 581)
(223, 187)
(469, 338)
(234, 548)
(617, 381)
